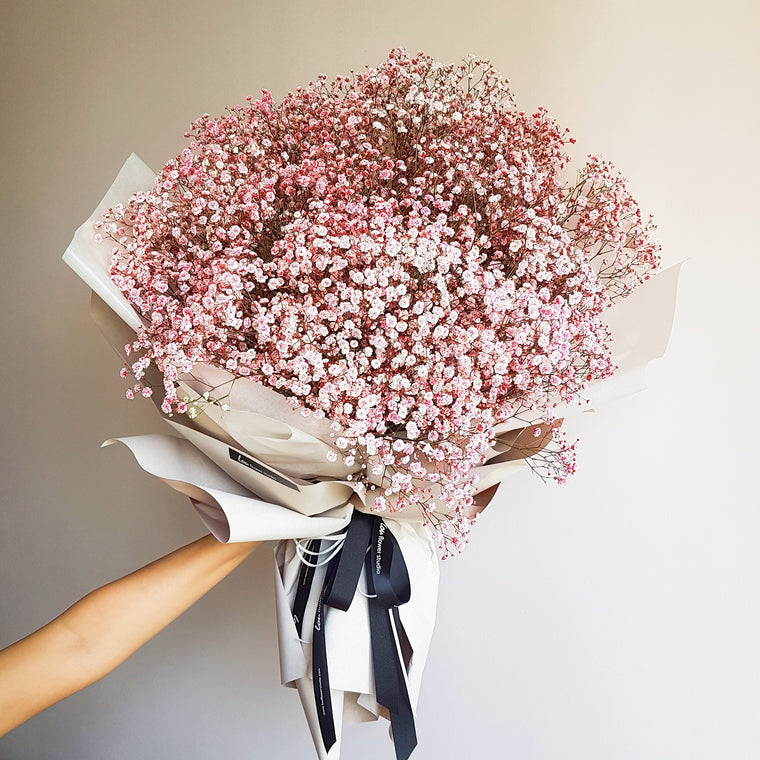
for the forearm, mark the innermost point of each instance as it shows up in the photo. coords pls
(101, 630)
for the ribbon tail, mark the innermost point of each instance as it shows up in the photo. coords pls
(404, 733)
(305, 580)
(306, 695)
(319, 667)
(390, 678)
(402, 721)
(321, 678)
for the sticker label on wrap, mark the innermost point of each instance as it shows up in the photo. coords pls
(259, 468)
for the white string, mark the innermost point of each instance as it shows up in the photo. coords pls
(335, 541)
(366, 582)
(399, 650)
(366, 595)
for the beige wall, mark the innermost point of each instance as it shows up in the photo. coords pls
(617, 617)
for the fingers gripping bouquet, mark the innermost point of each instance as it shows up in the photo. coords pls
(370, 297)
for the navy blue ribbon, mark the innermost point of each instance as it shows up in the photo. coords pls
(369, 544)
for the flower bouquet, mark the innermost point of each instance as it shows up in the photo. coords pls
(360, 309)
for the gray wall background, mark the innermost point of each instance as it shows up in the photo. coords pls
(614, 617)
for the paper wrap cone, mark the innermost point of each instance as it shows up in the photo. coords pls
(259, 471)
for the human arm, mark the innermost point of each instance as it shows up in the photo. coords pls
(105, 627)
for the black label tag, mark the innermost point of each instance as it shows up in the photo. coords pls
(259, 468)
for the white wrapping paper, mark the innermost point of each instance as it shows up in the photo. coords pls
(259, 472)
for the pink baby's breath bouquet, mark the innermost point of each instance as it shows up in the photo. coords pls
(402, 259)
(399, 251)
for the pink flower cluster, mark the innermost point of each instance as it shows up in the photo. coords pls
(396, 250)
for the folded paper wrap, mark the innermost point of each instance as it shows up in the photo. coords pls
(259, 471)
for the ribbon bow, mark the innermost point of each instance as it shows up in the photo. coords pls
(369, 544)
